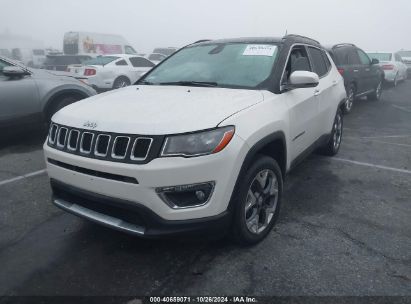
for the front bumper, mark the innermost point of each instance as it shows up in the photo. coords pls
(112, 179)
(131, 217)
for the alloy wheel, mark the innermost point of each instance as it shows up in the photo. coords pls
(337, 131)
(378, 90)
(261, 201)
(350, 100)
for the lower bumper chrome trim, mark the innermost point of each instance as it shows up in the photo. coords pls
(99, 217)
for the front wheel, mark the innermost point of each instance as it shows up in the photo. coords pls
(332, 147)
(257, 203)
(350, 99)
(58, 105)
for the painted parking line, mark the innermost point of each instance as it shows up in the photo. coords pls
(20, 177)
(371, 165)
(377, 141)
(402, 109)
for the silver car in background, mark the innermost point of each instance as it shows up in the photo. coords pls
(31, 96)
(406, 57)
(395, 69)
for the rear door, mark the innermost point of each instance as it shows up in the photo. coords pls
(357, 70)
(325, 94)
(140, 66)
(369, 72)
(19, 99)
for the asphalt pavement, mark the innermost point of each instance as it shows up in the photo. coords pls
(344, 228)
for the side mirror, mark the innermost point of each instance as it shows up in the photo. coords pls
(14, 72)
(303, 79)
(375, 61)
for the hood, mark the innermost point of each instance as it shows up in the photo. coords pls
(40, 73)
(156, 110)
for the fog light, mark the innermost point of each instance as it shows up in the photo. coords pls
(186, 196)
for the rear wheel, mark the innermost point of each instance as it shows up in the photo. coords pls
(376, 95)
(257, 203)
(332, 147)
(121, 82)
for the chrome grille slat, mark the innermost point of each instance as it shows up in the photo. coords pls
(115, 147)
(96, 152)
(113, 153)
(135, 146)
(71, 148)
(59, 143)
(82, 150)
(52, 138)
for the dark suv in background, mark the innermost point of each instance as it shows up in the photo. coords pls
(362, 76)
(61, 62)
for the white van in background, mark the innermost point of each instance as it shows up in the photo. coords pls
(95, 44)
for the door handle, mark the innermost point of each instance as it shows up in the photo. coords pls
(317, 92)
(335, 83)
(367, 70)
(356, 71)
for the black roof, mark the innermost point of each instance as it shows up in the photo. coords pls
(334, 46)
(251, 40)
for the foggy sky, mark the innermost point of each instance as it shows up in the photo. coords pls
(371, 24)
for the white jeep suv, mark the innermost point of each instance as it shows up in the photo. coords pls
(202, 142)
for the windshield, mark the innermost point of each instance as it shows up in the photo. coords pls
(381, 56)
(225, 65)
(102, 60)
(405, 53)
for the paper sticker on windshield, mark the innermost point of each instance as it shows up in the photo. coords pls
(259, 50)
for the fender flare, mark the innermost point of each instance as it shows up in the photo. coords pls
(252, 152)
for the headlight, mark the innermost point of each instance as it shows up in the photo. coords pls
(200, 143)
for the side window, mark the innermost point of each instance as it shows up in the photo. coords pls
(341, 56)
(398, 58)
(3, 64)
(364, 59)
(327, 61)
(353, 57)
(129, 50)
(298, 61)
(319, 64)
(139, 62)
(121, 62)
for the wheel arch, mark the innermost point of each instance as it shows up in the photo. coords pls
(273, 145)
(50, 101)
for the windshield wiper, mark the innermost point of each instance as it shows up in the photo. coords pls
(191, 83)
(144, 82)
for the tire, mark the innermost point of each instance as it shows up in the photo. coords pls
(376, 95)
(395, 82)
(58, 105)
(333, 145)
(121, 82)
(347, 107)
(262, 201)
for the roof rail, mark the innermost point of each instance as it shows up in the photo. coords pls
(299, 36)
(202, 40)
(342, 44)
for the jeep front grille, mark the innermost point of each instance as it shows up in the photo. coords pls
(129, 148)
